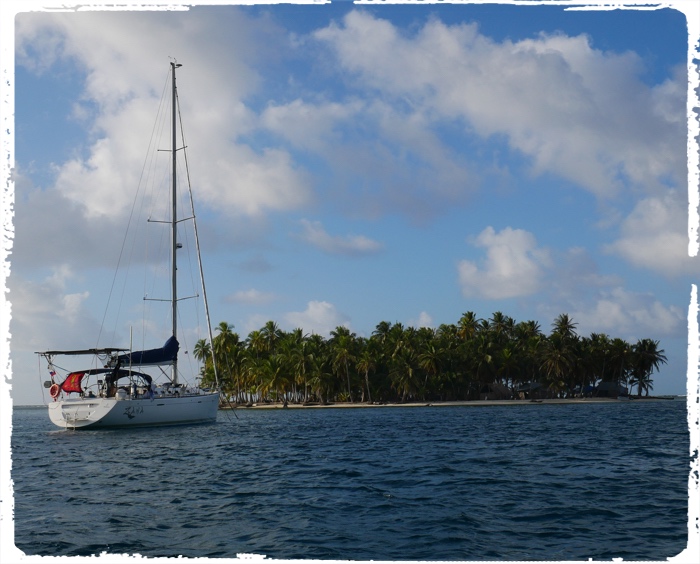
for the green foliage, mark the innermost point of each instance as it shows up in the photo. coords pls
(397, 363)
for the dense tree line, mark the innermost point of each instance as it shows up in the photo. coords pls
(398, 364)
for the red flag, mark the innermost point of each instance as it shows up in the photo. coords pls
(72, 382)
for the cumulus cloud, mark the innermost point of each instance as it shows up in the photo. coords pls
(383, 157)
(654, 236)
(385, 146)
(50, 229)
(513, 267)
(600, 302)
(350, 245)
(51, 315)
(243, 181)
(424, 320)
(634, 315)
(309, 125)
(319, 317)
(576, 111)
(122, 84)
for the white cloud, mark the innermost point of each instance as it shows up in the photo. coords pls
(311, 126)
(252, 296)
(48, 315)
(123, 82)
(51, 229)
(384, 146)
(574, 110)
(513, 267)
(574, 282)
(424, 320)
(254, 323)
(630, 315)
(314, 234)
(601, 303)
(319, 317)
(382, 157)
(654, 236)
(579, 112)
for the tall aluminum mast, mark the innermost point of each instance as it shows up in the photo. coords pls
(174, 219)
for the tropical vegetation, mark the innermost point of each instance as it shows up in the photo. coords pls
(462, 361)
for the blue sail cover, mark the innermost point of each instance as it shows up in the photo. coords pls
(165, 355)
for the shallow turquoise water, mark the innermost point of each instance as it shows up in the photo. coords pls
(527, 482)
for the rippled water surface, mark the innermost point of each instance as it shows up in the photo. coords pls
(525, 482)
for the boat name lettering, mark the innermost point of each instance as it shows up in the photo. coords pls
(132, 411)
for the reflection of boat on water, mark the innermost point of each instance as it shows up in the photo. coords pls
(116, 394)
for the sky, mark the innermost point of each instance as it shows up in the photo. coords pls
(358, 163)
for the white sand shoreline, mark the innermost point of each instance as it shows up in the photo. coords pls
(474, 403)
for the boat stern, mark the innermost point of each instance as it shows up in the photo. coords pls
(75, 414)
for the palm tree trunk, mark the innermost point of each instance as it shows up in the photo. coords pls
(369, 394)
(347, 374)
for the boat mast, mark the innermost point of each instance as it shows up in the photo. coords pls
(174, 219)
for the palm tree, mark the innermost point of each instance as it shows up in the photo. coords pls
(254, 369)
(448, 332)
(294, 347)
(320, 377)
(556, 361)
(430, 360)
(342, 351)
(381, 331)
(395, 339)
(271, 335)
(256, 347)
(619, 360)
(399, 362)
(224, 344)
(403, 372)
(317, 355)
(527, 329)
(481, 354)
(508, 365)
(256, 342)
(501, 325)
(202, 351)
(467, 326)
(367, 362)
(647, 357)
(275, 376)
(528, 341)
(563, 325)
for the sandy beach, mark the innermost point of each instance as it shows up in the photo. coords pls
(475, 403)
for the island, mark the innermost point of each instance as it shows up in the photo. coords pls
(488, 360)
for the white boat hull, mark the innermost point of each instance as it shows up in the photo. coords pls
(98, 413)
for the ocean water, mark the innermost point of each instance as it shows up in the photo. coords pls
(525, 482)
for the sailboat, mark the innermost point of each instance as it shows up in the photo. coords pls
(118, 393)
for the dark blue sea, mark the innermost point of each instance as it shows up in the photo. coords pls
(522, 482)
